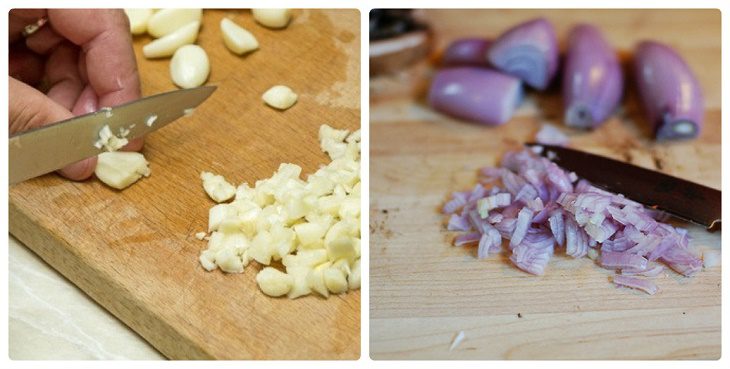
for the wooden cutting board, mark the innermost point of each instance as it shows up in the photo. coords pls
(423, 290)
(135, 252)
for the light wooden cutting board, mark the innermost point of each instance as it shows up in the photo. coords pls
(135, 252)
(423, 290)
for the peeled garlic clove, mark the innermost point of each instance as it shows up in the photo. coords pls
(167, 21)
(274, 282)
(138, 19)
(120, 169)
(189, 67)
(236, 38)
(168, 44)
(272, 18)
(280, 97)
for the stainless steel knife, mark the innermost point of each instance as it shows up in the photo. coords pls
(45, 149)
(681, 198)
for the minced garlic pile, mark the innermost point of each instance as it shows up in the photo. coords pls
(312, 226)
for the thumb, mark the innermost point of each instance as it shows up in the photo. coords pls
(29, 108)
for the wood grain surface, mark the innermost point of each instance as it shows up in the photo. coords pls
(134, 251)
(423, 291)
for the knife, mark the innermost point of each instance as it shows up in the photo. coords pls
(48, 148)
(681, 198)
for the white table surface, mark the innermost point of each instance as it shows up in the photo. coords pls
(51, 318)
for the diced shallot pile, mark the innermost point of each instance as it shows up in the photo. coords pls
(539, 207)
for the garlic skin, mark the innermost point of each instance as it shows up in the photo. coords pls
(120, 169)
(168, 44)
(189, 66)
(166, 21)
(138, 19)
(272, 18)
(236, 38)
(280, 97)
(312, 225)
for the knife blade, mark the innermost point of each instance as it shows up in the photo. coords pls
(48, 148)
(684, 199)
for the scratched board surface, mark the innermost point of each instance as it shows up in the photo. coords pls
(423, 291)
(135, 252)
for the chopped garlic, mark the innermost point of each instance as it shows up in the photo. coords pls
(335, 280)
(107, 111)
(217, 187)
(151, 120)
(236, 38)
(272, 18)
(312, 226)
(138, 19)
(166, 21)
(280, 97)
(109, 141)
(120, 169)
(200, 235)
(188, 112)
(168, 44)
(273, 282)
(353, 280)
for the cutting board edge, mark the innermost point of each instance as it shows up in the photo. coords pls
(54, 251)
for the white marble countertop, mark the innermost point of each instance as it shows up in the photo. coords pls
(51, 318)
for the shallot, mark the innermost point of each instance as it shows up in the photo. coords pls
(475, 94)
(671, 96)
(467, 52)
(592, 79)
(528, 51)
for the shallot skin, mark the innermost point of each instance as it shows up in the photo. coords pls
(528, 51)
(475, 94)
(592, 78)
(670, 93)
(467, 52)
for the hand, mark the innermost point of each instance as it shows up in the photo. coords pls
(82, 59)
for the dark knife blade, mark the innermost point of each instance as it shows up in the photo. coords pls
(681, 198)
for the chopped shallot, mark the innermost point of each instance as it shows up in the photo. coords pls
(637, 283)
(539, 207)
(551, 135)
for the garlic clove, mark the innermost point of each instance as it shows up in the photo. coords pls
(272, 18)
(166, 21)
(280, 97)
(168, 44)
(236, 38)
(189, 67)
(138, 19)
